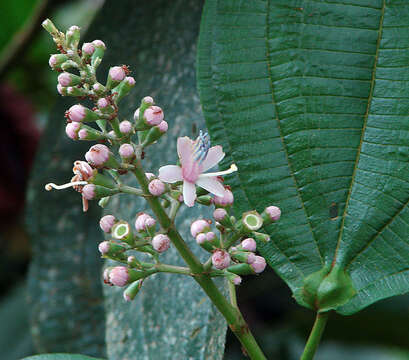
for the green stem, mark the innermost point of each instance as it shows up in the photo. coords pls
(232, 293)
(232, 315)
(315, 336)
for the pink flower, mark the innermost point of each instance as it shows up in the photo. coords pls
(196, 157)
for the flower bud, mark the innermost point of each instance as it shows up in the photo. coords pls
(219, 214)
(72, 129)
(105, 275)
(132, 290)
(241, 269)
(161, 243)
(220, 259)
(107, 222)
(98, 89)
(125, 127)
(115, 75)
(199, 226)
(48, 25)
(233, 278)
(104, 201)
(252, 221)
(119, 276)
(156, 187)
(99, 155)
(62, 90)
(144, 221)
(73, 37)
(109, 248)
(243, 256)
(79, 113)
(66, 79)
(154, 133)
(225, 200)
(102, 103)
(205, 200)
(124, 87)
(94, 192)
(153, 115)
(150, 176)
(261, 237)
(126, 151)
(56, 60)
(87, 49)
(148, 100)
(249, 244)
(271, 214)
(259, 264)
(89, 133)
(98, 54)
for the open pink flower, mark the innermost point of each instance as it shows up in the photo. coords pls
(196, 157)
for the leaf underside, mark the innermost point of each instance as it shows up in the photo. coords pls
(310, 100)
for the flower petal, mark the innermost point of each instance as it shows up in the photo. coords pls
(214, 156)
(189, 193)
(170, 173)
(211, 184)
(185, 149)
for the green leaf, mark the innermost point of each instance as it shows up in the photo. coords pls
(309, 99)
(60, 357)
(171, 317)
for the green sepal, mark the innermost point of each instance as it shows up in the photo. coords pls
(102, 180)
(97, 56)
(76, 91)
(102, 191)
(138, 274)
(241, 269)
(72, 38)
(114, 250)
(148, 137)
(261, 237)
(122, 89)
(49, 26)
(204, 200)
(61, 59)
(104, 201)
(92, 134)
(132, 290)
(241, 256)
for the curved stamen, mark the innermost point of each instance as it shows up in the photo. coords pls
(232, 169)
(51, 186)
(202, 146)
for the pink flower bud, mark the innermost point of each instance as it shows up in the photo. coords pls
(74, 28)
(201, 238)
(76, 113)
(153, 115)
(150, 176)
(88, 48)
(163, 126)
(83, 134)
(107, 222)
(144, 221)
(71, 130)
(96, 87)
(156, 187)
(130, 80)
(198, 227)
(99, 43)
(219, 214)
(119, 276)
(126, 151)
(251, 258)
(64, 79)
(148, 100)
(105, 276)
(61, 90)
(125, 127)
(52, 61)
(225, 200)
(97, 155)
(102, 103)
(136, 114)
(273, 212)
(103, 247)
(130, 259)
(259, 264)
(210, 236)
(117, 73)
(237, 280)
(161, 243)
(220, 259)
(88, 191)
(249, 244)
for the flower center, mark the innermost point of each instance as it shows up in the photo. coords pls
(191, 171)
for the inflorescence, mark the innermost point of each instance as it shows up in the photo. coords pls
(120, 149)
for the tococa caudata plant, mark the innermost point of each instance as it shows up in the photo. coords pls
(230, 242)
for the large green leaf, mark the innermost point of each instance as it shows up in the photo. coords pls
(310, 100)
(171, 317)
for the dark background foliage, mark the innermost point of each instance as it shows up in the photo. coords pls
(28, 96)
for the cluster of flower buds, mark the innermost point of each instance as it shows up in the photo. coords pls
(234, 260)
(120, 149)
(124, 242)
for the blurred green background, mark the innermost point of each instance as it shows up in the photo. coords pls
(27, 89)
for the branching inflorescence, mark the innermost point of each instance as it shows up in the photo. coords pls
(231, 242)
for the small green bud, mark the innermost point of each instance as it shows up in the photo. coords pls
(132, 290)
(241, 269)
(72, 37)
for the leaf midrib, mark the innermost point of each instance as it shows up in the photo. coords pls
(368, 108)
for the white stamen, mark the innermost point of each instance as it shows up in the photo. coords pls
(232, 169)
(51, 186)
